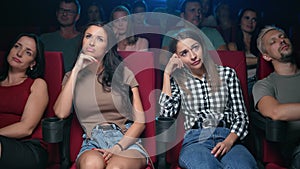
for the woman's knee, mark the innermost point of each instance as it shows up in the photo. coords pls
(90, 160)
(126, 162)
(193, 162)
(244, 158)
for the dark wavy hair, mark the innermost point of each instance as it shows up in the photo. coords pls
(240, 37)
(38, 69)
(100, 8)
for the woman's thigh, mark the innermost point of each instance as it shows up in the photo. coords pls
(243, 159)
(22, 154)
(130, 159)
(197, 154)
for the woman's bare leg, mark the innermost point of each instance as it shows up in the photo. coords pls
(128, 159)
(91, 159)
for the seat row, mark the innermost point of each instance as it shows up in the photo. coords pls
(63, 154)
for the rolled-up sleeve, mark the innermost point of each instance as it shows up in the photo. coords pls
(169, 105)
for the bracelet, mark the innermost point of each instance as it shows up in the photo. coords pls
(121, 147)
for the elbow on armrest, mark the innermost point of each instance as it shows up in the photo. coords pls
(61, 115)
(61, 112)
(277, 115)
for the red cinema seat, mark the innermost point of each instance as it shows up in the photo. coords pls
(152, 34)
(268, 133)
(54, 72)
(142, 65)
(233, 59)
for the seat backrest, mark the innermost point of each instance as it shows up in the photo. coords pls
(152, 34)
(237, 61)
(54, 72)
(264, 68)
(142, 65)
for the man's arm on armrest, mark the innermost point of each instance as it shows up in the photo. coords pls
(270, 107)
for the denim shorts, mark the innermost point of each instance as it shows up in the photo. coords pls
(107, 138)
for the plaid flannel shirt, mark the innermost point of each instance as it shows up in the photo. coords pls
(201, 103)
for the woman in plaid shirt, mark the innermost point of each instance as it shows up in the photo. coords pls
(210, 98)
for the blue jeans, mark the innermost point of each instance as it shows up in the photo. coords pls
(105, 139)
(197, 146)
(251, 81)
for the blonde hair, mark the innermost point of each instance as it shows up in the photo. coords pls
(263, 32)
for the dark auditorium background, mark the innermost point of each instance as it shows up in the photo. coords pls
(30, 15)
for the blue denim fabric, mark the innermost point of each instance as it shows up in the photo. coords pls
(251, 81)
(105, 139)
(197, 146)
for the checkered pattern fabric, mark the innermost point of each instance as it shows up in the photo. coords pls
(201, 102)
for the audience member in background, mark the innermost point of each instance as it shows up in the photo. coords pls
(139, 9)
(278, 96)
(23, 100)
(165, 21)
(122, 25)
(95, 12)
(191, 13)
(102, 89)
(246, 36)
(225, 21)
(211, 101)
(127, 4)
(207, 12)
(67, 38)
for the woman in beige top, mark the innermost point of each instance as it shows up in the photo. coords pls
(99, 87)
(123, 28)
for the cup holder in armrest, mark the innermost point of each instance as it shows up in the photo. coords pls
(275, 130)
(52, 128)
(165, 129)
